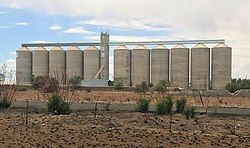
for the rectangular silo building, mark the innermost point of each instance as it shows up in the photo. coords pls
(159, 64)
(221, 66)
(91, 63)
(23, 66)
(140, 65)
(57, 64)
(74, 63)
(122, 64)
(180, 67)
(40, 62)
(200, 67)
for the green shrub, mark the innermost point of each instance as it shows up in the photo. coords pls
(5, 103)
(189, 112)
(142, 105)
(58, 106)
(180, 105)
(165, 106)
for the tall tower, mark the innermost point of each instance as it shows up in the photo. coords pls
(104, 56)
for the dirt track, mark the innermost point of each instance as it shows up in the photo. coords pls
(120, 129)
(131, 98)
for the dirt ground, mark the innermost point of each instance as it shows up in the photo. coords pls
(120, 129)
(131, 98)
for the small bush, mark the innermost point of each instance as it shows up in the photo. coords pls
(142, 105)
(189, 112)
(165, 106)
(180, 105)
(5, 103)
(58, 106)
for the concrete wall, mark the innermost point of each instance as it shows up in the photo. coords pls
(40, 60)
(91, 64)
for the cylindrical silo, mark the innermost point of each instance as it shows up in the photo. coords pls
(159, 64)
(91, 62)
(140, 65)
(57, 64)
(180, 66)
(40, 62)
(74, 62)
(23, 66)
(221, 66)
(122, 64)
(200, 67)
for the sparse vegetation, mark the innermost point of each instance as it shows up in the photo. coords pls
(189, 112)
(5, 103)
(57, 105)
(180, 105)
(143, 87)
(237, 84)
(75, 82)
(142, 105)
(161, 88)
(165, 106)
(118, 83)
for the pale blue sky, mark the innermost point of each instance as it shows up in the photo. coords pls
(27, 21)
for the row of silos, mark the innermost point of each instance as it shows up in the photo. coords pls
(136, 68)
(57, 63)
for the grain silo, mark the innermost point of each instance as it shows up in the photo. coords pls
(221, 66)
(57, 64)
(40, 62)
(74, 62)
(200, 67)
(180, 66)
(140, 65)
(23, 66)
(122, 64)
(91, 62)
(159, 64)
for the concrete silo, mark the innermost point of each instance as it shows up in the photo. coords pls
(140, 65)
(200, 67)
(221, 66)
(159, 64)
(122, 64)
(57, 64)
(74, 62)
(40, 62)
(23, 66)
(180, 66)
(91, 63)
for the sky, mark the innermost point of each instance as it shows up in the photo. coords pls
(39, 21)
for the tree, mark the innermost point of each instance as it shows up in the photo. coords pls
(237, 84)
(165, 106)
(180, 105)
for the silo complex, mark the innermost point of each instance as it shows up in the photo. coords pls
(57, 64)
(74, 62)
(91, 62)
(180, 66)
(200, 67)
(140, 65)
(23, 66)
(40, 62)
(221, 66)
(159, 64)
(122, 64)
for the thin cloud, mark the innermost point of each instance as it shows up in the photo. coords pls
(78, 30)
(55, 27)
(22, 24)
(4, 27)
(12, 53)
(2, 12)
